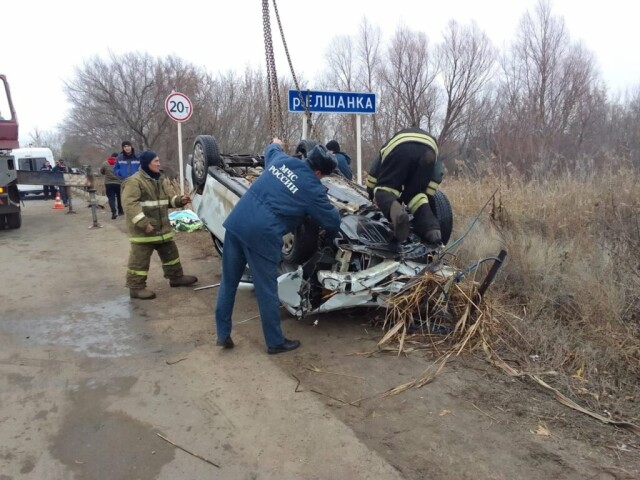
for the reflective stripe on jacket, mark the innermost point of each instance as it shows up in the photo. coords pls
(413, 134)
(146, 201)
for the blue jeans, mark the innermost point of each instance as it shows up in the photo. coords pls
(235, 256)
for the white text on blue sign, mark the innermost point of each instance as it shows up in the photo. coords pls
(332, 102)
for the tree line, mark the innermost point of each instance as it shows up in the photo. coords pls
(539, 107)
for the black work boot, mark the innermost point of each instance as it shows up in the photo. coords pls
(141, 293)
(227, 343)
(287, 346)
(427, 226)
(183, 281)
(396, 213)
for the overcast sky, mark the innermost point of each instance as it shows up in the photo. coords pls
(43, 40)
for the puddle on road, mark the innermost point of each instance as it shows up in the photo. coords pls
(97, 444)
(102, 330)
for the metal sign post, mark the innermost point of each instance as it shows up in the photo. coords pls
(179, 108)
(359, 147)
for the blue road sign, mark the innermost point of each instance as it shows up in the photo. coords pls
(332, 102)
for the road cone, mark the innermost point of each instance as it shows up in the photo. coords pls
(57, 205)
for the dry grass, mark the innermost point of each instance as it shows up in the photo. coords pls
(568, 298)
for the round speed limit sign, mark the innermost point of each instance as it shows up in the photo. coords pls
(178, 107)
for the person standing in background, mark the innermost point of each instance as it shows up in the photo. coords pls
(112, 184)
(49, 191)
(64, 193)
(344, 160)
(127, 162)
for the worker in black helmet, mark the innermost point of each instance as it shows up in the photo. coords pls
(404, 175)
(278, 202)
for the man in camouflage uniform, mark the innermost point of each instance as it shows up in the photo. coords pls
(146, 204)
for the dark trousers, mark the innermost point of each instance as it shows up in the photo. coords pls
(64, 195)
(49, 191)
(140, 259)
(113, 194)
(235, 256)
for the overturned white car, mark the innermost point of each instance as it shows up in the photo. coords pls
(363, 264)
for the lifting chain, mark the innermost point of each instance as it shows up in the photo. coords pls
(272, 77)
(273, 93)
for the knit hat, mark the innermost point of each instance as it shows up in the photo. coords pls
(126, 142)
(146, 157)
(333, 146)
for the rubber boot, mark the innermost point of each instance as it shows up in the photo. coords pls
(183, 281)
(427, 226)
(396, 213)
(141, 293)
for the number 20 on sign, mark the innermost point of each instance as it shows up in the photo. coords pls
(178, 107)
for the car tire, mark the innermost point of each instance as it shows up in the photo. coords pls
(299, 246)
(441, 208)
(205, 154)
(14, 220)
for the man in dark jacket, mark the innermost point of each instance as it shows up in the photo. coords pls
(276, 203)
(344, 160)
(407, 171)
(127, 162)
(49, 191)
(64, 192)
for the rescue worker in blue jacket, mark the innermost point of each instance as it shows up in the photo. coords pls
(286, 192)
(127, 161)
(406, 172)
(344, 160)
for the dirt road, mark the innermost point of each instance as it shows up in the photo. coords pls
(89, 378)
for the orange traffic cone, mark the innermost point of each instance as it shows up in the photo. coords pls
(57, 205)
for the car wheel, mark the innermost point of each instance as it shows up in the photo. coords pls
(441, 207)
(205, 154)
(14, 220)
(298, 246)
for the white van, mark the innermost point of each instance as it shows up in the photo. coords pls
(31, 159)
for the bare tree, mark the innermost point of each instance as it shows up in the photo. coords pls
(466, 59)
(548, 83)
(123, 98)
(409, 76)
(369, 79)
